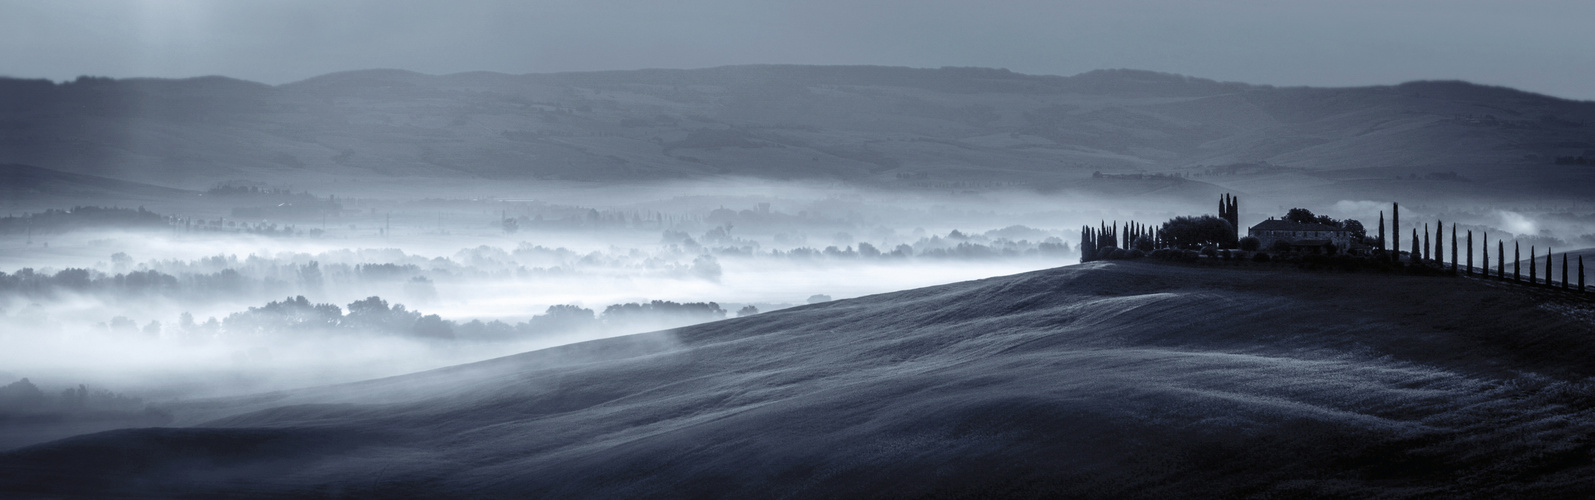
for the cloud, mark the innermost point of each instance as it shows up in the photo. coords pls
(1518, 223)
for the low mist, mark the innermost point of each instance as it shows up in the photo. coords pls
(251, 287)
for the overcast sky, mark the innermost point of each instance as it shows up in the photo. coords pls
(1542, 46)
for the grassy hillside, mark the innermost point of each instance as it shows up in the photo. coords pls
(934, 128)
(1101, 380)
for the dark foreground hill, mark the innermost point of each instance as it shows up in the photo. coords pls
(1101, 380)
(936, 128)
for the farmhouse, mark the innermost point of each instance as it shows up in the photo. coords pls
(1302, 237)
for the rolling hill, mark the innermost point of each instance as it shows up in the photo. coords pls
(935, 128)
(1121, 380)
(30, 186)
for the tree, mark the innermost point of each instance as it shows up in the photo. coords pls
(1500, 260)
(432, 326)
(1533, 256)
(1454, 250)
(1439, 243)
(867, 250)
(747, 310)
(1250, 243)
(1381, 230)
(1301, 215)
(1581, 273)
(1426, 246)
(1143, 244)
(1192, 233)
(1229, 209)
(1358, 233)
(1088, 244)
(1395, 231)
(1517, 261)
(1416, 253)
(1564, 271)
(1470, 249)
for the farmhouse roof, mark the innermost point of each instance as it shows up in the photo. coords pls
(1286, 225)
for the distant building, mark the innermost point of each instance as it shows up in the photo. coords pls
(1302, 237)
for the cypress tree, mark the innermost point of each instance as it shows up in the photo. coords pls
(1564, 271)
(1426, 243)
(1235, 218)
(1439, 243)
(1454, 249)
(1088, 244)
(1500, 259)
(1534, 278)
(1416, 254)
(1470, 250)
(1395, 232)
(1517, 261)
(1581, 273)
(1382, 230)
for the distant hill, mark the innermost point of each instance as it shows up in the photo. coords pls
(1106, 380)
(28, 185)
(1556, 265)
(938, 128)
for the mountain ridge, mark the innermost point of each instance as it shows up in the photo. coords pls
(872, 125)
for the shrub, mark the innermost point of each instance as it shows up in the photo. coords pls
(1261, 257)
(1210, 251)
(1251, 243)
(1136, 253)
(1280, 246)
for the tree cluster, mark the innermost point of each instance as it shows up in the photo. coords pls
(1193, 233)
(57, 220)
(375, 315)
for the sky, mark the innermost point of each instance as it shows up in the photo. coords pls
(1540, 46)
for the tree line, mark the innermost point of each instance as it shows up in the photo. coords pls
(1207, 235)
(375, 315)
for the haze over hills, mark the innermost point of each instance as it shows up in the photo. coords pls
(886, 126)
(1102, 380)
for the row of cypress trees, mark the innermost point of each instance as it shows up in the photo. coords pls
(1093, 239)
(1435, 252)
